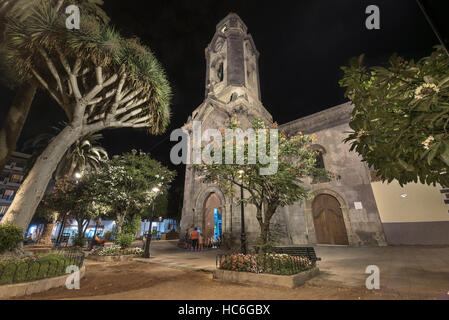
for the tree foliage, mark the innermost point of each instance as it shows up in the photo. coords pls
(401, 117)
(79, 200)
(127, 184)
(100, 79)
(85, 155)
(296, 161)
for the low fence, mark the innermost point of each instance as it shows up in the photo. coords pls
(31, 269)
(281, 264)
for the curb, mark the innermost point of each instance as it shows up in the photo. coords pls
(262, 279)
(28, 288)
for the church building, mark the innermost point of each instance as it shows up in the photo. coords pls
(349, 210)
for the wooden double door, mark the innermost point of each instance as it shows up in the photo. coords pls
(328, 220)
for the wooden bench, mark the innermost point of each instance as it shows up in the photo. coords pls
(308, 252)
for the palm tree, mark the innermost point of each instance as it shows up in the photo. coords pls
(84, 155)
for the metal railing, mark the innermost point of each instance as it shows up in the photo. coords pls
(31, 269)
(264, 263)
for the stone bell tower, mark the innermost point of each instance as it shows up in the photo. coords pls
(231, 89)
(232, 62)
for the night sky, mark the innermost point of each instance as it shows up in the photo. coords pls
(302, 45)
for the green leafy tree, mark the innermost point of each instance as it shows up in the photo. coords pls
(129, 184)
(296, 161)
(401, 117)
(74, 199)
(100, 79)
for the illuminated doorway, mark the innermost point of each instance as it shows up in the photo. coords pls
(212, 218)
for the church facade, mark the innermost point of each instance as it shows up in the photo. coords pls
(341, 212)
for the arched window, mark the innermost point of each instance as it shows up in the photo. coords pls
(220, 72)
(320, 151)
(319, 163)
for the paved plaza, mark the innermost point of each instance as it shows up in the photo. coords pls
(404, 269)
(409, 272)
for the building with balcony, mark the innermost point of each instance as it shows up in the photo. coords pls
(11, 178)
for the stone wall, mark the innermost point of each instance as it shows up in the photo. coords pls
(351, 185)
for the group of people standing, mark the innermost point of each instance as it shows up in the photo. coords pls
(195, 241)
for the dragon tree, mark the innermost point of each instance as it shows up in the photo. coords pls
(100, 79)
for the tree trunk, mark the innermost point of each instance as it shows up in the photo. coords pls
(264, 238)
(139, 227)
(119, 223)
(15, 119)
(32, 190)
(46, 236)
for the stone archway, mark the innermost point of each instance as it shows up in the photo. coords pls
(310, 225)
(210, 197)
(211, 210)
(328, 220)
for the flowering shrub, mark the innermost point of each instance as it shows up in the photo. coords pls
(265, 263)
(116, 251)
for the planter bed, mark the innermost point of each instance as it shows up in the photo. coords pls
(125, 257)
(27, 288)
(115, 253)
(263, 279)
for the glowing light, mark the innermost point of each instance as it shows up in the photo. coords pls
(78, 175)
(155, 189)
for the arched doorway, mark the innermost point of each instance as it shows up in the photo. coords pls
(328, 220)
(212, 217)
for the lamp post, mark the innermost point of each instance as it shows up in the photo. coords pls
(242, 217)
(147, 244)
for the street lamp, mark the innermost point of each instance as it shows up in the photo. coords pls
(148, 240)
(242, 211)
(78, 175)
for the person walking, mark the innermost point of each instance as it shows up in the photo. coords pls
(194, 235)
(187, 240)
(200, 242)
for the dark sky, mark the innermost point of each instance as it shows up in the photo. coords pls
(302, 45)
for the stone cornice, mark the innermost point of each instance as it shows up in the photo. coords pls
(321, 120)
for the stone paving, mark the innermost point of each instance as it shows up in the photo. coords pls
(404, 269)
(167, 253)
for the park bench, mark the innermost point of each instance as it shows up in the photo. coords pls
(308, 252)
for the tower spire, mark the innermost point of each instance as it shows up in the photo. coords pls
(232, 62)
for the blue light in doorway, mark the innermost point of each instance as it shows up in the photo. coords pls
(217, 224)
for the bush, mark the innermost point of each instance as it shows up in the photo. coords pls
(124, 240)
(79, 241)
(108, 235)
(283, 264)
(32, 269)
(10, 237)
(116, 251)
(132, 226)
